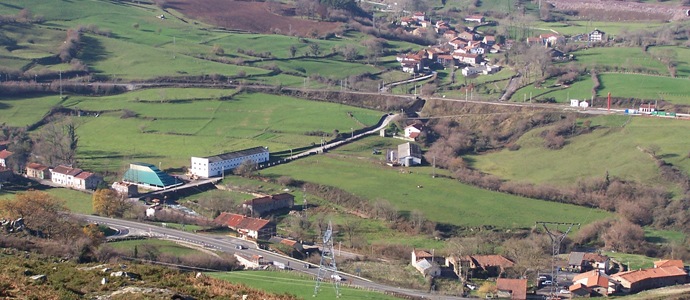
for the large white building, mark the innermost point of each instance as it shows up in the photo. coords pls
(214, 165)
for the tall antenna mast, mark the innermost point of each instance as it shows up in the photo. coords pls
(556, 239)
(327, 265)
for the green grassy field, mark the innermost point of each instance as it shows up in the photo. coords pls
(622, 57)
(203, 127)
(682, 58)
(75, 201)
(675, 90)
(664, 236)
(634, 261)
(587, 26)
(591, 155)
(162, 245)
(580, 89)
(22, 111)
(302, 286)
(442, 200)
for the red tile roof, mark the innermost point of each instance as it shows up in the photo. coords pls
(3, 169)
(422, 254)
(578, 286)
(639, 275)
(669, 263)
(474, 17)
(36, 166)
(83, 175)
(3, 143)
(67, 170)
(516, 287)
(252, 224)
(5, 154)
(484, 261)
(418, 14)
(490, 38)
(585, 275)
(288, 242)
(228, 219)
(595, 257)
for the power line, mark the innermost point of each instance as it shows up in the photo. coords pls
(327, 265)
(556, 239)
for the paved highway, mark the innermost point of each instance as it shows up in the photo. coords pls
(227, 244)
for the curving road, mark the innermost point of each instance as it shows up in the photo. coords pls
(227, 244)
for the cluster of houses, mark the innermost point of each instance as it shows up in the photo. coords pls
(594, 278)
(462, 49)
(257, 228)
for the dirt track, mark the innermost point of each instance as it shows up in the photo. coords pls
(611, 10)
(249, 16)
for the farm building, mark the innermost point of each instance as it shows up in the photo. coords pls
(4, 154)
(260, 206)
(75, 178)
(34, 170)
(215, 165)
(409, 154)
(474, 18)
(512, 288)
(640, 280)
(648, 108)
(474, 265)
(597, 282)
(424, 263)
(246, 226)
(125, 188)
(581, 262)
(149, 176)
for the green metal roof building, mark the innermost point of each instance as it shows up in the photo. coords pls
(147, 175)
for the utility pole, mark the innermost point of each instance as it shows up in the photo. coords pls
(60, 84)
(327, 265)
(174, 47)
(556, 239)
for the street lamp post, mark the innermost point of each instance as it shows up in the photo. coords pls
(353, 132)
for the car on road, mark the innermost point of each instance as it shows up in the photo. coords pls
(307, 266)
(564, 291)
(547, 282)
(239, 247)
(337, 277)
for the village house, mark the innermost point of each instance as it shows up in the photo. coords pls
(297, 246)
(458, 43)
(468, 58)
(596, 35)
(484, 69)
(441, 27)
(495, 48)
(124, 188)
(597, 282)
(151, 210)
(445, 59)
(512, 288)
(409, 154)
(669, 263)
(489, 40)
(579, 290)
(552, 38)
(425, 24)
(6, 174)
(247, 227)
(75, 178)
(215, 165)
(476, 265)
(434, 52)
(419, 31)
(424, 263)
(263, 205)
(581, 261)
(406, 21)
(468, 36)
(414, 130)
(450, 34)
(474, 18)
(640, 280)
(532, 41)
(419, 16)
(4, 154)
(34, 170)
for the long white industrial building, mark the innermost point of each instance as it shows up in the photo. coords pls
(214, 165)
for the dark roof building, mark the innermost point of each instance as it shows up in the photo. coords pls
(260, 206)
(148, 175)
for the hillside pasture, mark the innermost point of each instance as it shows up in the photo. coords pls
(249, 16)
(300, 285)
(441, 199)
(612, 149)
(22, 111)
(674, 90)
(682, 60)
(625, 58)
(202, 127)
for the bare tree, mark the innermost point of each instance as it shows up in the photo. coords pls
(246, 168)
(351, 227)
(417, 219)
